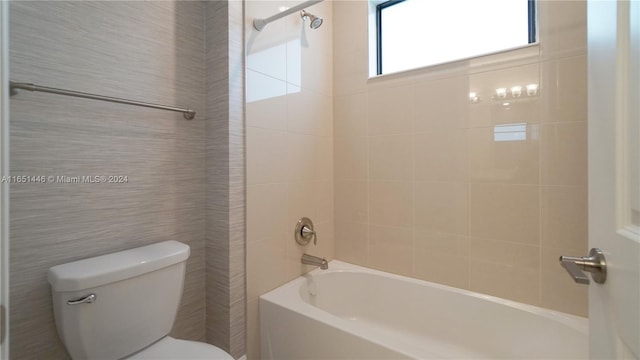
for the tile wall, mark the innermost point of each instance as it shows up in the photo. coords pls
(150, 51)
(225, 173)
(185, 178)
(481, 195)
(289, 141)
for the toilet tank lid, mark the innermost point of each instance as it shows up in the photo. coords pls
(106, 269)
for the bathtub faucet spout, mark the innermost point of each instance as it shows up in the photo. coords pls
(314, 260)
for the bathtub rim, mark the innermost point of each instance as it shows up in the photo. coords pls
(280, 295)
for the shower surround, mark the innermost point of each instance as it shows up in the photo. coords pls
(417, 172)
(289, 146)
(482, 194)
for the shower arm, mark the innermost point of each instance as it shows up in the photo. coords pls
(259, 24)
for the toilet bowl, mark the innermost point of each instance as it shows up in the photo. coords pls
(170, 348)
(123, 305)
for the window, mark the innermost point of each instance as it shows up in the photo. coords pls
(417, 33)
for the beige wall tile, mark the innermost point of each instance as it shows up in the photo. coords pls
(391, 249)
(323, 201)
(564, 154)
(491, 159)
(506, 270)
(326, 241)
(440, 155)
(441, 104)
(306, 66)
(441, 207)
(391, 203)
(352, 201)
(565, 218)
(308, 158)
(559, 291)
(390, 110)
(267, 215)
(323, 159)
(562, 29)
(494, 112)
(308, 112)
(391, 157)
(350, 115)
(563, 90)
(349, 19)
(300, 158)
(266, 266)
(350, 53)
(266, 150)
(491, 110)
(266, 104)
(301, 198)
(352, 242)
(350, 72)
(351, 156)
(441, 258)
(505, 212)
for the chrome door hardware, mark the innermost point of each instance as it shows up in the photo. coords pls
(304, 232)
(85, 300)
(595, 263)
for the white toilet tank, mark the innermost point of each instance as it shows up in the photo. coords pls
(136, 297)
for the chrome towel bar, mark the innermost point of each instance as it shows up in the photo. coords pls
(187, 113)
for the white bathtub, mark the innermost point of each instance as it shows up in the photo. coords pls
(351, 312)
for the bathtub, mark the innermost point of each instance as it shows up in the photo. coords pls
(351, 312)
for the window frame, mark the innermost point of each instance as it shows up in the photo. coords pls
(532, 26)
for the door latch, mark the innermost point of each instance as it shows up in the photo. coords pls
(595, 263)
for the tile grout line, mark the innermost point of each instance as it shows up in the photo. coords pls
(540, 197)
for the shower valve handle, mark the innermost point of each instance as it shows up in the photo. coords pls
(304, 232)
(307, 232)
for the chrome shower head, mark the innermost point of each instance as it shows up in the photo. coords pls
(316, 21)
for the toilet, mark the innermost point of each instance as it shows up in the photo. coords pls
(123, 305)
